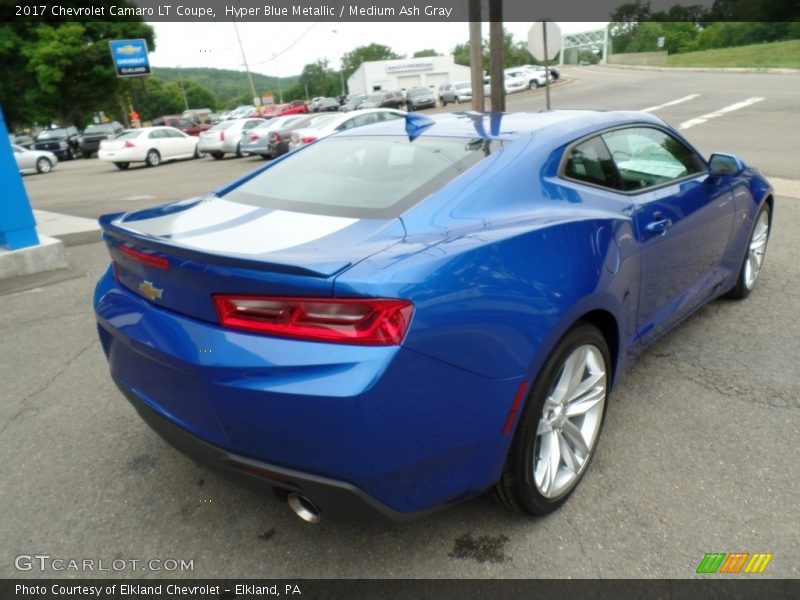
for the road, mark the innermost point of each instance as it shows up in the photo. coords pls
(698, 454)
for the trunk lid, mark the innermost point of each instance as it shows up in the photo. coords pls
(180, 254)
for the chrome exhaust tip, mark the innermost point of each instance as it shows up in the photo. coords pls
(304, 508)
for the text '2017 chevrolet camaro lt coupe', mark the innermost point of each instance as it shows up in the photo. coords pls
(404, 315)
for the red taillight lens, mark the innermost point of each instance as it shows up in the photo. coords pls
(158, 262)
(253, 137)
(129, 144)
(368, 321)
(275, 137)
(222, 136)
(309, 139)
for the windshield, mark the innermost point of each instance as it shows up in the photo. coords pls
(98, 129)
(50, 134)
(362, 176)
(417, 92)
(374, 97)
(463, 86)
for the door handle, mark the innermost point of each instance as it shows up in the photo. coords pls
(659, 227)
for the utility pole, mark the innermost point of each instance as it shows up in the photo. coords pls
(246, 67)
(497, 58)
(476, 55)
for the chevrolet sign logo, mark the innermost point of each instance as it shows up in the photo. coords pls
(129, 49)
(150, 291)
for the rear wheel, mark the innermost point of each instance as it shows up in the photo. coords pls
(198, 154)
(754, 259)
(217, 155)
(122, 165)
(153, 158)
(560, 425)
(43, 165)
(239, 151)
(442, 101)
(533, 84)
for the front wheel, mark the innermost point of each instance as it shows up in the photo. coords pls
(533, 84)
(43, 165)
(754, 259)
(153, 158)
(442, 101)
(560, 425)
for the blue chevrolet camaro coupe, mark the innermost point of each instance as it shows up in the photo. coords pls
(404, 315)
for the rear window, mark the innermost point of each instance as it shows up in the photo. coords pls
(362, 176)
(129, 135)
(98, 129)
(222, 125)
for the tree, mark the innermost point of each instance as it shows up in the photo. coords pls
(425, 53)
(62, 71)
(353, 59)
(516, 53)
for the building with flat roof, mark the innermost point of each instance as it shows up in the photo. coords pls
(405, 73)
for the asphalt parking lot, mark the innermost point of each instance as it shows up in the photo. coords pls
(698, 454)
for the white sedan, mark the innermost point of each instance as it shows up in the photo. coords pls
(150, 145)
(327, 124)
(33, 161)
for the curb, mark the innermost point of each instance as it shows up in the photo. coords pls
(780, 70)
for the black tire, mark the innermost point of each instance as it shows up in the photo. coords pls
(516, 488)
(217, 155)
(153, 158)
(742, 290)
(239, 150)
(69, 155)
(457, 100)
(122, 165)
(43, 165)
(86, 154)
(442, 101)
(533, 84)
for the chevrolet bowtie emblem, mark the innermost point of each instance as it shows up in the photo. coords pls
(150, 291)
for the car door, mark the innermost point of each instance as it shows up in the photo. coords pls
(24, 159)
(683, 219)
(182, 144)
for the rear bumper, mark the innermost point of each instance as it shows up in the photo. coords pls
(383, 427)
(337, 499)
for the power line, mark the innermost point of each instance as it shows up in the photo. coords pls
(289, 47)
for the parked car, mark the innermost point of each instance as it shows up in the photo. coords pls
(280, 137)
(531, 78)
(89, 140)
(61, 141)
(400, 322)
(352, 102)
(418, 98)
(198, 115)
(186, 125)
(384, 99)
(239, 112)
(320, 128)
(458, 92)
(257, 139)
(313, 105)
(33, 161)
(225, 137)
(328, 105)
(150, 145)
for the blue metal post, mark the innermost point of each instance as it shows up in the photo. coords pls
(17, 225)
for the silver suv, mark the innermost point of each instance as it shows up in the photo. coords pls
(458, 92)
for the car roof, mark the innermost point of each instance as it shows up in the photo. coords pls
(560, 126)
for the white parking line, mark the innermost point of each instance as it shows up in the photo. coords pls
(672, 103)
(719, 113)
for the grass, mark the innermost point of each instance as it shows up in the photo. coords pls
(776, 54)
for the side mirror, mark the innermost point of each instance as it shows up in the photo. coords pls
(725, 164)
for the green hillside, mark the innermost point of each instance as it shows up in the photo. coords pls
(228, 86)
(772, 55)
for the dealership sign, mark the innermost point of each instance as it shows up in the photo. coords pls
(415, 65)
(130, 57)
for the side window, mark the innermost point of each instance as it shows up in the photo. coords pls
(645, 157)
(157, 134)
(389, 116)
(361, 120)
(174, 133)
(591, 162)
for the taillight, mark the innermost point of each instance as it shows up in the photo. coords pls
(158, 262)
(222, 135)
(309, 139)
(367, 321)
(253, 137)
(129, 144)
(275, 137)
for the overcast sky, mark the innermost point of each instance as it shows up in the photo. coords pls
(293, 45)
